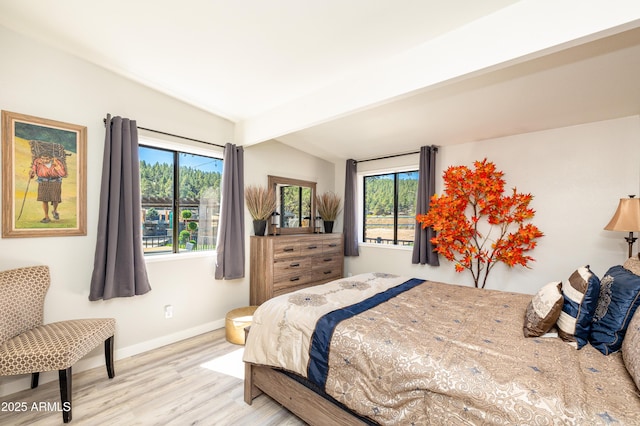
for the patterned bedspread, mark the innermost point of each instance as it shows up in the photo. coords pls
(437, 353)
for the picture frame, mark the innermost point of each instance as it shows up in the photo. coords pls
(44, 177)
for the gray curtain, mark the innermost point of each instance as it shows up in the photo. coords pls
(350, 230)
(422, 247)
(119, 269)
(230, 241)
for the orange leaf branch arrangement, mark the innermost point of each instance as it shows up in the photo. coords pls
(477, 225)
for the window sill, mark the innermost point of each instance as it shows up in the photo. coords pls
(386, 246)
(177, 256)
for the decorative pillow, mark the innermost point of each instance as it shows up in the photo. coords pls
(631, 348)
(580, 293)
(543, 310)
(619, 299)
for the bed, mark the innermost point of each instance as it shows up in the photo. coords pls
(384, 349)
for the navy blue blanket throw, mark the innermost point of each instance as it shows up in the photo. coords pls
(318, 367)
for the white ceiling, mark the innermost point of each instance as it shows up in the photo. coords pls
(361, 78)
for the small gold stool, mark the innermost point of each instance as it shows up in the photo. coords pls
(235, 323)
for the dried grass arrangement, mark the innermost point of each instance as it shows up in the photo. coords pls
(261, 202)
(328, 206)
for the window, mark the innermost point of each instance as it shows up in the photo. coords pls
(188, 221)
(389, 208)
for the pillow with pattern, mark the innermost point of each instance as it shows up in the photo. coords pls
(580, 293)
(631, 348)
(619, 299)
(543, 310)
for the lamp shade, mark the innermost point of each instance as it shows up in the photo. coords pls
(626, 217)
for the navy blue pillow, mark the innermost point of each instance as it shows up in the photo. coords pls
(580, 293)
(619, 299)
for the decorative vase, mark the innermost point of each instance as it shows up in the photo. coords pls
(259, 226)
(328, 226)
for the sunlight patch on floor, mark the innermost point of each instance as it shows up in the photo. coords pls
(230, 364)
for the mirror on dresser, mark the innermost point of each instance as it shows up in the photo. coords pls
(296, 205)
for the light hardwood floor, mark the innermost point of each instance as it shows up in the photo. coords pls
(186, 383)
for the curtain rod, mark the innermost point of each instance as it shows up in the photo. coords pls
(181, 137)
(174, 135)
(392, 156)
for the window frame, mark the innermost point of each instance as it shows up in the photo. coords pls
(361, 204)
(176, 149)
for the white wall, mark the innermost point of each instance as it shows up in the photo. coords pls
(576, 174)
(43, 82)
(275, 158)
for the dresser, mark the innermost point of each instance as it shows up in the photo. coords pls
(283, 263)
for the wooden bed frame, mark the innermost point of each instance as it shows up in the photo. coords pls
(297, 398)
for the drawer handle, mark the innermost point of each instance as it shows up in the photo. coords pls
(312, 247)
(294, 279)
(327, 272)
(288, 249)
(328, 259)
(294, 265)
(333, 245)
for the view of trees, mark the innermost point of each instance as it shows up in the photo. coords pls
(379, 194)
(294, 199)
(152, 214)
(156, 180)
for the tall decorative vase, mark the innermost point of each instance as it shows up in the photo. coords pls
(259, 226)
(328, 226)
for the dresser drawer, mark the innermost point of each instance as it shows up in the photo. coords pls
(294, 279)
(327, 261)
(323, 275)
(311, 248)
(286, 249)
(284, 268)
(326, 267)
(332, 246)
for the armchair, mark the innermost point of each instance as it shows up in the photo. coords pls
(27, 346)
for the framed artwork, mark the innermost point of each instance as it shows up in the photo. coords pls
(44, 177)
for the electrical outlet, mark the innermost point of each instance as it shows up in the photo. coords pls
(168, 311)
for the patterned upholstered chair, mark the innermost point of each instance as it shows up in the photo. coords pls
(29, 347)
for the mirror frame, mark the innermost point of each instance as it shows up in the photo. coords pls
(274, 181)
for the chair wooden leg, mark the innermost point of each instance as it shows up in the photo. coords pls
(34, 380)
(108, 356)
(65, 393)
